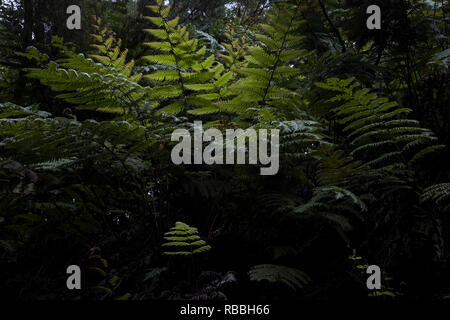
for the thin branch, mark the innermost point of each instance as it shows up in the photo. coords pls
(335, 30)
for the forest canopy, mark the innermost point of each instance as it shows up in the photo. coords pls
(87, 179)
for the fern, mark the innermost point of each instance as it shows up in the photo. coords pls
(10, 112)
(186, 81)
(185, 240)
(293, 278)
(107, 85)
(380, 132)
(35, 139)
(439, 194)
(299, 138)
(269, 82)
(10, 65)
(110, 54)
(332, 203)
(153, 273)
(236, 50)
(335, 168)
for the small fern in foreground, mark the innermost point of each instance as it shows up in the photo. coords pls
(291, 277)
(185, 239)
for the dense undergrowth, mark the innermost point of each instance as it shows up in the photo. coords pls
(86, 176)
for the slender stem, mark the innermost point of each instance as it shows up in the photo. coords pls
(335, 30)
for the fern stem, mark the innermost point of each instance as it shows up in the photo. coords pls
(280, 50)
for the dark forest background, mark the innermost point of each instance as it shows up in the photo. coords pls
(86, 176)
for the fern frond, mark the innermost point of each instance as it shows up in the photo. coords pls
(439, 194)
(381, 134)
(107, 85)
(291, 277)
(110, 52)
(198, 79)
(39, 141)
(105, 90)
(269, 78)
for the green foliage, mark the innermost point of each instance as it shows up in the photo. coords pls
(439, 194)
(10, 63)
(185, 240)
(186, 81)
(336, 168)
(34, 54)
(329, 194)
(34, 138)
(109, 284)
(154, 272)
(101, 175)
(299, 138)
(111, 55)
(269, 82)
(293, 278)
(236, 51)
(359, 270)
(379, 131)
(441, 59)
(13, 113)
(106, 86)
